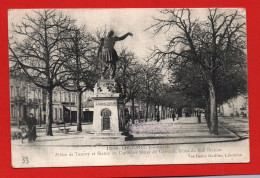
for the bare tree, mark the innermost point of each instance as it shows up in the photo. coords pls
(95, 38)
(36, 47)
(130, 76)
(80, 60)
(152, 79)
(208, 44)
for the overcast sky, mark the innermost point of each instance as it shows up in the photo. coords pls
(120, 21)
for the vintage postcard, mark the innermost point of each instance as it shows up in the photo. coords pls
(102, 87)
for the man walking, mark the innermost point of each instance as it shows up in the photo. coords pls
(173, 115)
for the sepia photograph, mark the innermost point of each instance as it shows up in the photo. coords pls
(128, 86)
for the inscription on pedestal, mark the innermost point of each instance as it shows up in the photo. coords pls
(106, 103)
(106, 113)
(106, 123)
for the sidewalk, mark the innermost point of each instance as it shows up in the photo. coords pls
(182, 131)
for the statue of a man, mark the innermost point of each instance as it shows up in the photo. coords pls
(108, 55)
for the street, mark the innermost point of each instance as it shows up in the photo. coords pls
(183, 138)
(238, 125)
(184, 130)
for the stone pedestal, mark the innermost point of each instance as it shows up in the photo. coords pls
(108, 120)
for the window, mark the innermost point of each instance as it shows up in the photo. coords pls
(12, 111)
(39, 94)
(54, 96)
(22, 93)
(12, 91)
(63, 97)
(66, 97)
(34, 93)
(72, 97)
(69, 97)
(60, 114)
(55, 114)
(19, 111)
(58, 96)
(17, 91)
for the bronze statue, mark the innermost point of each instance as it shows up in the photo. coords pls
(108, 55)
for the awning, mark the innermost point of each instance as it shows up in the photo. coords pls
(88, 104)
(71, 108)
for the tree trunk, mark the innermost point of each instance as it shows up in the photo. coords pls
(17, 117)
(159, 113)
(133, 109)
(146, 112)
(70, 118)
(40, 115)
(207, 114)
(162, 113)
(213, 109)
(49, 109)
(166, 112)
(154, 112)
(79, 111)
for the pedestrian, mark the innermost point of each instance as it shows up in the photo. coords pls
(199, 117)
(177, 115)
(31, 124)
(173, 116)
(158, 117)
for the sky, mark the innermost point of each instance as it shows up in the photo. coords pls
(120, 21)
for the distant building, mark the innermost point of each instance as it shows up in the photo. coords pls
(26, 98)
(237, 106)
(88, 107)
(64, 108)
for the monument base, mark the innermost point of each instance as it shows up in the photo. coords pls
(108, 121)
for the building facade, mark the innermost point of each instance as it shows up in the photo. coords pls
(26, 98)
(237, 106)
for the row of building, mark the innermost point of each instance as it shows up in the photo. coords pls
(26, 98)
